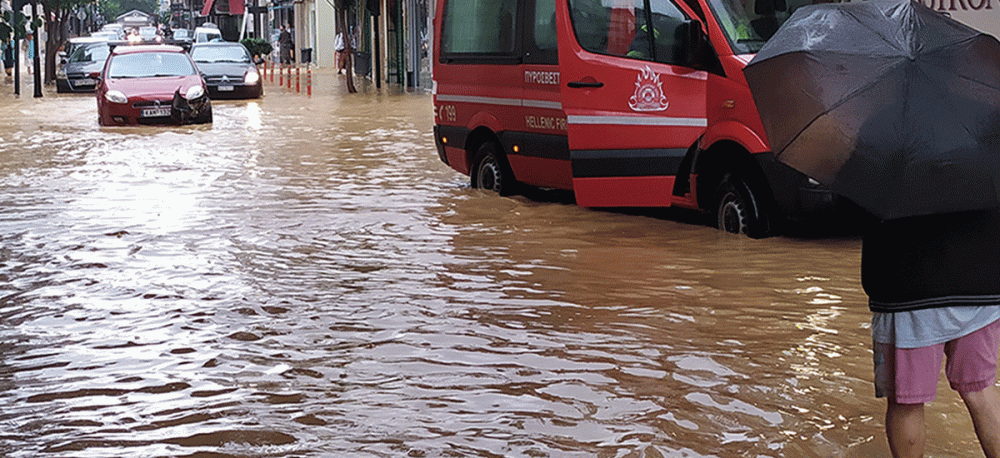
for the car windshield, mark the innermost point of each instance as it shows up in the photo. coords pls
(147, 32)
(150, 64)
(209, 54)
(748, 24)
(97, 52)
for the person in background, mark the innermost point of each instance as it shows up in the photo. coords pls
(7, 53)
(339, 46)
(285, 45)
(29, 54)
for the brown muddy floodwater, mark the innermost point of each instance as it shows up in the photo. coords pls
(304, 278)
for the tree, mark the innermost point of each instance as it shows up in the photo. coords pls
(58, 13)
(258, 47)
(13, 27)
(343, 9)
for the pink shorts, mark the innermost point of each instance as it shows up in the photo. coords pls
(910, 375)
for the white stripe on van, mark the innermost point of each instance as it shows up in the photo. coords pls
(638, 121)
(500, 101)
(542, 104)
(477, 99)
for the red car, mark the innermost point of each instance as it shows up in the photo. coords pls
(151, 84)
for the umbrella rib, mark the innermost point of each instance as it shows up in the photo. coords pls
(892, 43)
(966, 77)
(844, 99)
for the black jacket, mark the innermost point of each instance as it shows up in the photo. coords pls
(932, 261)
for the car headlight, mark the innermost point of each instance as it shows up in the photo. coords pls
(61, 73)
(116, 96)
(194, 92)
(251, 77)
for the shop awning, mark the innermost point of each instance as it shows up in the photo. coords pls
(237, 7)
(207, 8)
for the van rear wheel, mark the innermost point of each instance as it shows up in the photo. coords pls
(739, 210)
(490, 171)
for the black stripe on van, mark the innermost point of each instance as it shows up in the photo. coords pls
(545, 146)
(627, 162)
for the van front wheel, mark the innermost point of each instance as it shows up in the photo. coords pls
(490, 171)
(739, 210)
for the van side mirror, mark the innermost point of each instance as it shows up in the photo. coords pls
(696, 45)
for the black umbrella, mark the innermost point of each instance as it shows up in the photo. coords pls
(891, 104)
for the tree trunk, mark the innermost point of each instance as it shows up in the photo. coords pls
(348, 51)
(57, 36)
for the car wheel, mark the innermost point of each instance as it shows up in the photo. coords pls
(740, 210)
(490, 171)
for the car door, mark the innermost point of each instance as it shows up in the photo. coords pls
(633, 108)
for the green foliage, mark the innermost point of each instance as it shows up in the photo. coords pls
(12, 23)
(257, 46)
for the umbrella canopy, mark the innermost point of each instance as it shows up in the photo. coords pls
(891, 104)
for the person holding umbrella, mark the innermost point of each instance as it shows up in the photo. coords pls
(933, 284)
(897, 108)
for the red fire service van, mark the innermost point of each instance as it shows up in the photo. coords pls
(628, 103)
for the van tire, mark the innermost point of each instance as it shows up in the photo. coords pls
(739, 210)
(491, 171)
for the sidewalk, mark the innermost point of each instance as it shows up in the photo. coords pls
(325, 82)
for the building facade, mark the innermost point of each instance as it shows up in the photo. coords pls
(391, 37)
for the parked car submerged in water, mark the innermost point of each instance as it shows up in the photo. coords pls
(228, 69)
(151, 84)
(81, 70)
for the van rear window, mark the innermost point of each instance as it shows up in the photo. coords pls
(478, 27)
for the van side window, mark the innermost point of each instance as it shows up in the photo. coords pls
(545, 25)
(479, 27)
(543, 46)
(626, 28)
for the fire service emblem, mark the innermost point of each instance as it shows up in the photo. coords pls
(648, 92)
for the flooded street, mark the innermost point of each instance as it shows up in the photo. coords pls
(305, 278)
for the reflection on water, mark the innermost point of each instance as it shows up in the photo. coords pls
(305, 278)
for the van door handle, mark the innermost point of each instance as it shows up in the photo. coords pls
(585, 84)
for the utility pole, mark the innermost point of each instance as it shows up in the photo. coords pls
(37, 58)
(19, 25)
(375, 8)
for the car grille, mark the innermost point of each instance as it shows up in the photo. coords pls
(153, 103)
(216, 80)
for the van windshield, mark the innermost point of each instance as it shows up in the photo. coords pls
(748, 24)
